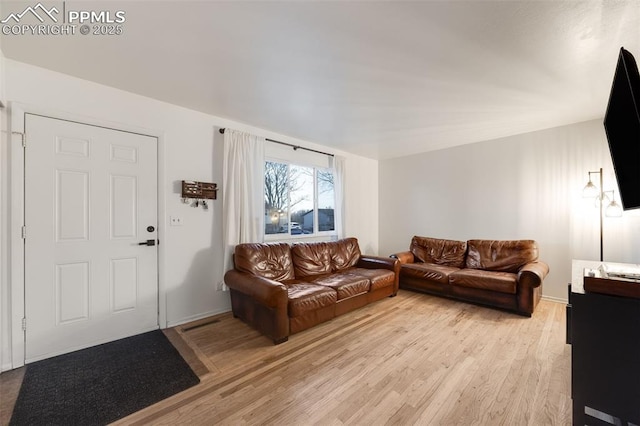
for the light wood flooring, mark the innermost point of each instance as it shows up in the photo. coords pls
(412, 359)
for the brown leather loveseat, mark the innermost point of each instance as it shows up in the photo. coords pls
(281, 289)
(504, 274)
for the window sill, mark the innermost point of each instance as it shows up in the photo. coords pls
(284, 238)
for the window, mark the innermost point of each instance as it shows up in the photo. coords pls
(298, 200)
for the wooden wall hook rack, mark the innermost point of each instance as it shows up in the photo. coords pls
(196, 193)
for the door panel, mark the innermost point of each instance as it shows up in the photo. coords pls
(124, 284)
(72, 292)
(90, 194)
(72, 205)
(123, 206)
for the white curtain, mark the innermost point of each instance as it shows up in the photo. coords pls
(338, 167)
(243, 192)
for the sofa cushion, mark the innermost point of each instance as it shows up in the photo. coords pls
(504, 256)
(379, 278)
(346, 284)
(311, 259)
(344, 253)
(503, 282)
(439, 252)
(272, 261)
(305, 297)
(428, 271)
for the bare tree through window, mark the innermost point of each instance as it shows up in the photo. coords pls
(297, 196)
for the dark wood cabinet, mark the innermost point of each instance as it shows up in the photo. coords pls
(604, 333)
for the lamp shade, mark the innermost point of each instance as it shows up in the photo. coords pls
(590, 190)
(613, 209)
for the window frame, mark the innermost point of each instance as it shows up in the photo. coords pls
(316, 232)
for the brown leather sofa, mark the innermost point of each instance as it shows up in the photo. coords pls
(281, 289)
(503, 274)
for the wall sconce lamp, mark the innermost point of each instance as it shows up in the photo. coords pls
(613, 209)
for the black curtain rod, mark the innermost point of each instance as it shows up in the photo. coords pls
(295, 147)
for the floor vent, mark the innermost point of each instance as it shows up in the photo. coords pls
(202, 324)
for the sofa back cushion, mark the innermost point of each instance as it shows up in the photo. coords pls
(504, 256)
(345, 253)
(324, 258)
(311, 259)
(272, 261)
(439, 252)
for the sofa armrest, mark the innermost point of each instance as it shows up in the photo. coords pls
(378, 262)
(268, 292)
(404, 257)
(532, 274)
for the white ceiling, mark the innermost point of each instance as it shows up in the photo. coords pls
(379, 79)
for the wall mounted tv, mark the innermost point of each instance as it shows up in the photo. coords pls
(622, 125)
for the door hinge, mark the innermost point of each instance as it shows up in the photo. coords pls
(23, 136)
(24, 232)
(24, 324)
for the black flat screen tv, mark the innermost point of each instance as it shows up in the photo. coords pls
(622, 126)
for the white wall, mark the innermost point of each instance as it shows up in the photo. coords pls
(525, 186)
(193, 148)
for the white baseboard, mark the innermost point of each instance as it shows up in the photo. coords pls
(196, 317)
(554, 299)
(5, 367)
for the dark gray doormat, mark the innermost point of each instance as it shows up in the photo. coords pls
(99, 385)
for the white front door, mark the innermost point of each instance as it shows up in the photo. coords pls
(90, 200)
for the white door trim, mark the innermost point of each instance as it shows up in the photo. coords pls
(17, 113)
